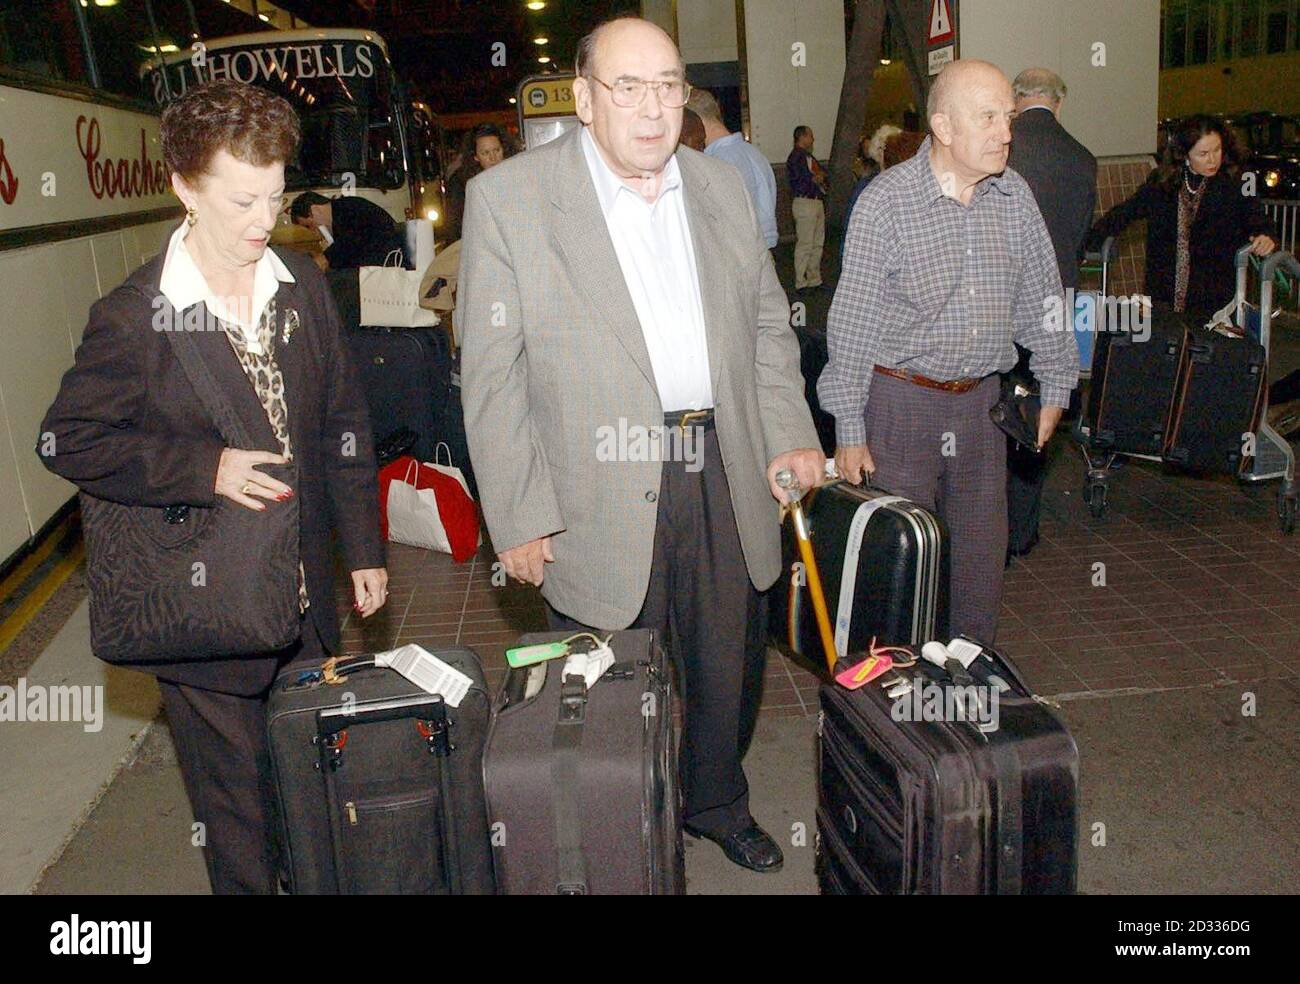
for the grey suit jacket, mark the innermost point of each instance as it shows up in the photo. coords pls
(553, 353)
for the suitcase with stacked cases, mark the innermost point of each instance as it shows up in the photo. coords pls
(934, 807)
(1134, 384)
(582, 784)
(884, 569)
(378, 783)
(1219, 403)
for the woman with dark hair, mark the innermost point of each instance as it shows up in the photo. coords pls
(1197, 217)
(485, 147)
(212, 414)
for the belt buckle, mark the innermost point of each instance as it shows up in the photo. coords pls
(689, 416)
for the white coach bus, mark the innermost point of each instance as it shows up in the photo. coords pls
(84, 195)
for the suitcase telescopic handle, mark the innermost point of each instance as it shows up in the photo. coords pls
(434, 709)
(786, 479)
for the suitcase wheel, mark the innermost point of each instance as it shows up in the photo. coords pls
(1286, 512)
(1094, 494)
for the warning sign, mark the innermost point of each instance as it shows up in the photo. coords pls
(941, 43)
(941, 25)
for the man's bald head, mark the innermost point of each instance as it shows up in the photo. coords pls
(627, 29)
(970, 107)
(957, 79)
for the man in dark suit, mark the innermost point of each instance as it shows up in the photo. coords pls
(1062, 174)
(357, 232)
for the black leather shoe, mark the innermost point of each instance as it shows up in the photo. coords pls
(750, 847)
(1022, 551)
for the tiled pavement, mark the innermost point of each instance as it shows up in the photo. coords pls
(1185, 582)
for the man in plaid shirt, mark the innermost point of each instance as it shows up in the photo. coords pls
(947, 262)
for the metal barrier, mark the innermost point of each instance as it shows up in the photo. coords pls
(1285, 214)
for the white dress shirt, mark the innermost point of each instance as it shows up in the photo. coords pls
(184, 286)
(653, 243)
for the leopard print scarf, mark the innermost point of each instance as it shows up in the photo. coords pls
(263, 372)
(1188, 203)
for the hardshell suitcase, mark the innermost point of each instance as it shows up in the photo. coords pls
(1221, 397)
(1134, 381)
(378, 783)
(581, 784)
(910, 804)
(884, 569)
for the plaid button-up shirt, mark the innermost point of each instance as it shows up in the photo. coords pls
(943, 289)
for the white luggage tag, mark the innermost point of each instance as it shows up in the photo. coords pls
(427, 672)
(589, 665)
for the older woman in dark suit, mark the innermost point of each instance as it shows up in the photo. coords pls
(131, 427)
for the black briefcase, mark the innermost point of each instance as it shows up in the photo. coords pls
(884, 566)
(378, 783)
(911, 804)
(582, 784)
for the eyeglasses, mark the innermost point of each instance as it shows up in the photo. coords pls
(629, 93)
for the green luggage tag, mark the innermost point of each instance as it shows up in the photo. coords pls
(528, 655)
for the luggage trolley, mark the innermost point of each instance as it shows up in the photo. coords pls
(1274, 457)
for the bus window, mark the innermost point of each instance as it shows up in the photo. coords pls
(124, 46)
(41, 38)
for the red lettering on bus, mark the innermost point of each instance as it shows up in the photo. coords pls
(123, 177)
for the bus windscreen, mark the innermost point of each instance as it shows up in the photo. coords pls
(342, 91)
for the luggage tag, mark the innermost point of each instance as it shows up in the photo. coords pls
(864, 672)
(522, 656)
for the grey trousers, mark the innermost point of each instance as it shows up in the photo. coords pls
(941, 451)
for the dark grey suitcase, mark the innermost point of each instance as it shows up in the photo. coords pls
(582, 785)
(1221, 397)
(378, 783)
(940, 807)
(1134, 382)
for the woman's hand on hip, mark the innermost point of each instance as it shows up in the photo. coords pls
(370, 588)
(239, 481)
(1262, 245)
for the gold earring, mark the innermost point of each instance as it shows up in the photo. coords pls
(191, 216)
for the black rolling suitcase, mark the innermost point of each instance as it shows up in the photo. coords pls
(1220, 399)
(1134, 384)
(400, 372)
(920, 806)
(898, 573)
(378, 783)
(582, 784)
(412, 382)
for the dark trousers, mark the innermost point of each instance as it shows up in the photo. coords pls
(221, 744)
(1026, 473)
(701, 603)
(943, 452)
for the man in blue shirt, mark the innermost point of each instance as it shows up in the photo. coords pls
(807, 190)
(753, 166)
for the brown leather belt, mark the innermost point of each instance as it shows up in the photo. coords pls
(949, 386)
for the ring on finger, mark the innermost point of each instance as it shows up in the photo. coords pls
(246, 488)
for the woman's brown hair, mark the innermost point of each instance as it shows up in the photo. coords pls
(1181, 141)
(251, 124)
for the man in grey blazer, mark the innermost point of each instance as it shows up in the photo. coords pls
(631, 387)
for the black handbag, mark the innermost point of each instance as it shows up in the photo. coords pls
(1016, 412)
(189, 583)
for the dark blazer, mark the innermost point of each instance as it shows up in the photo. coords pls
(128, 427)
(1063, 177)
(364, 234)
(1224, 223)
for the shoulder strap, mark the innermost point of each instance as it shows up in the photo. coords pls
(209, 392)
